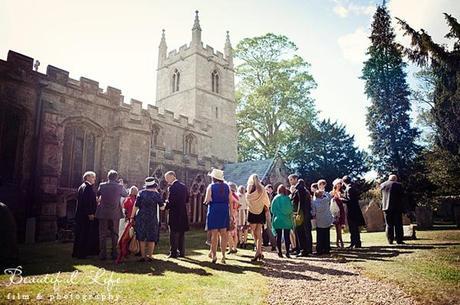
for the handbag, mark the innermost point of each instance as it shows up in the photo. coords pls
(134, 247)
(298, 217)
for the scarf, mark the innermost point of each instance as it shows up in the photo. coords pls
(257, 200)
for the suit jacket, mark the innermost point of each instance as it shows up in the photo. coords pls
(351, 199)
(177, 206)
(302, 197)
(392, 196)
(110, 206)
(86, 202)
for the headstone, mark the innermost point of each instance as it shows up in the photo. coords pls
(373, 216)
(409, 231)
(424, 216)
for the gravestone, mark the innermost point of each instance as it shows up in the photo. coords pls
(373, 216)
(424, 216)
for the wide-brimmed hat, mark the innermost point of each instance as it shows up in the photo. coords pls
(217, 174)
(150, 181)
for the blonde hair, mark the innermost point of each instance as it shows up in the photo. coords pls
(133, 190)
(254, 180)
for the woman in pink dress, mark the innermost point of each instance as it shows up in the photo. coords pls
(338, 211)
(232, 230)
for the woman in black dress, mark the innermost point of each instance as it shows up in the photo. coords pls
(146, 224)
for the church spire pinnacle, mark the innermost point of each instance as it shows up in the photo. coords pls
(163, 40)
(228, 51)
(196, 31)
(196, 24)
(163, 48)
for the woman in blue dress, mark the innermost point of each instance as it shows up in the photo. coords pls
(146, 223)
(218, 197)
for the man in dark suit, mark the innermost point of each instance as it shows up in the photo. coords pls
(354, 215)
(109, 212)
(176, 204)
(392, 207)
(86, 225)
(301, 201)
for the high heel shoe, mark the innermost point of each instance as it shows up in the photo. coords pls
(255, 258)
(214, 259)
(223, 260)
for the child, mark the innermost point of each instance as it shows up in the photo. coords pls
(321, 211)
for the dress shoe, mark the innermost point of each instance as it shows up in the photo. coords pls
(172, 255)
(280, 254)
(288, 255)
(401, 243)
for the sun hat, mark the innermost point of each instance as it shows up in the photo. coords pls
(150, 181)
(217, 174)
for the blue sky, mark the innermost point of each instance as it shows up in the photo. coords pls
(116, 42)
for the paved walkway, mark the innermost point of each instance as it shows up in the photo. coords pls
(326, 281)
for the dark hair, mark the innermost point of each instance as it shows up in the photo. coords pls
(346, 179)
(301, 182)
(281, 190)
(314, 185)
(214, 180)
(293, 176)
(269, 186)
(112, 175)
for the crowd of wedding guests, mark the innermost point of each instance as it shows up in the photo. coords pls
(275, 218)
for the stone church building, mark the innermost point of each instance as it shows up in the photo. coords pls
(53, 128)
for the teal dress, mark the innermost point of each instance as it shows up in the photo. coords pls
(282, 211)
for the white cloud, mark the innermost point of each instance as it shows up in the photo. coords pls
(343, 8)
(354, 45)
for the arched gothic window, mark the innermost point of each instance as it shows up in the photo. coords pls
(79, 154)
(215, 81)
(189, 144)
(175, 81)
(155, 135)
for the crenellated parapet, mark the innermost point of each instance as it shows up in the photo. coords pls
(185, 50)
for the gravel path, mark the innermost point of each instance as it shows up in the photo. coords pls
(326, 281)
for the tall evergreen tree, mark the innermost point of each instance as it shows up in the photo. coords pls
(393, 139)
(445, 67)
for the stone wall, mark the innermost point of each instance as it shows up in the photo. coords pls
(80, 124)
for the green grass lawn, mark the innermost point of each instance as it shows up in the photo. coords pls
(193, 280)
(427, 268)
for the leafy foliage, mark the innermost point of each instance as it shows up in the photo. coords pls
(327, 152)
(273, 95)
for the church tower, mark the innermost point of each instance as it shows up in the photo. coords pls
(198, 82)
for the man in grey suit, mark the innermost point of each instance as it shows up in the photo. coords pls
(392, 207)
(109, 212)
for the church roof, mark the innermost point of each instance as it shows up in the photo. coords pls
(240, 172)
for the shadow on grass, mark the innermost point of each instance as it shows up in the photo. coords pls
(383, 253)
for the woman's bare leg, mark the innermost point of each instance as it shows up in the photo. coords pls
(223, 241)
(142, 246)
(214, 240)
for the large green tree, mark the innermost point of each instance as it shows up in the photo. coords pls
(445, 66)
(273, 95)
(393, 139)
(327, 151)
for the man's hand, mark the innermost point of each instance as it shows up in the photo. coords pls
(91, 217)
